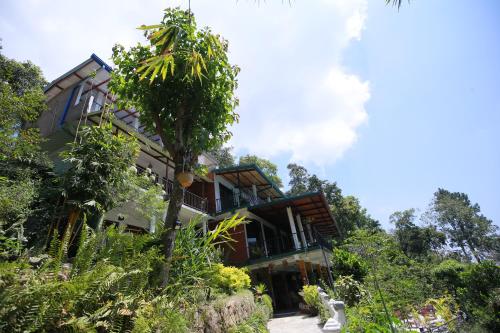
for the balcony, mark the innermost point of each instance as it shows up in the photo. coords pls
(237, 200)
(190, 199)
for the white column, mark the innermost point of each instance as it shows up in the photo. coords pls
(218, 203)
(301, 230)
(309, 232)
(263, 237)
(292, 227)
(254, 190)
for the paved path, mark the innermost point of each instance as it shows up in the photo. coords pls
(294, 324)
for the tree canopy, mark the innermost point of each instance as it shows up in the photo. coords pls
(269, 168)
(223, 156)
(463, 224)
(415, 241)
(182, 85)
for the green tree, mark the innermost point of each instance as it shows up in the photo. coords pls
(413, 240)
(345, 263)
(269, 168)
(188, 99)
(301, 182)
(463, 223)
(24, 168)
(21, 102)
(350, 216)
(98, 177)
(224, 156)
(348, 212)
(298, 179)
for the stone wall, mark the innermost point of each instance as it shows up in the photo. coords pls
(222, 314)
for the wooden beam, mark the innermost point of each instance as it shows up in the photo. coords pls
(303, 272)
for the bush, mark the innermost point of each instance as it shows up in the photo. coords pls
(231, 279)
(256, 323)
(448, 275)
(311, 296)
(345, 263)
(349, 290)
(480, 296)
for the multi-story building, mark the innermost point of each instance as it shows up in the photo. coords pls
(284, 242)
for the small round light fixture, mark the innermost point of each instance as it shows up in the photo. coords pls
(185, 178)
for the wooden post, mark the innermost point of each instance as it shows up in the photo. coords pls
(309, 269)
(318, 271)
(303, 272)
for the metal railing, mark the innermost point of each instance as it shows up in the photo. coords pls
(190, 199)
(242, 199)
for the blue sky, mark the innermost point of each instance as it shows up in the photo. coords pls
(391, 105)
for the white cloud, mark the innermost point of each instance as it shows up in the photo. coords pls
(296, 98)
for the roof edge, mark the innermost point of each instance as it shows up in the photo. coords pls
(254, 166)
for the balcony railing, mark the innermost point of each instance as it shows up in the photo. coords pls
(241, 199)
(190, 199)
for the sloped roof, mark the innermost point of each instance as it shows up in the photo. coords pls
(250, 174)
(312, 207)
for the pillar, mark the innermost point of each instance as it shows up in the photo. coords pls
(309, 232)
(292, 228)
(254, 190)
(301, 230)
(310, 271)
(303, 272)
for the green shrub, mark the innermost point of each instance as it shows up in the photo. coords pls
(345, 263)
(268, 302)
(480, 296)
(231, 279)
(349, 290)
(311, 296)
(447, 275)
(159, 316)
(256, 323)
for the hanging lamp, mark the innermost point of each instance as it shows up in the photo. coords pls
(185, 178)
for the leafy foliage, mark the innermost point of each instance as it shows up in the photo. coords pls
(231, 279)
(463, 223)
(99, 167)
(311, 296)
(24, 168)
(113, 284)
(345, 263)
(269, 168)
(197, 93)
(347, 210)
(349, 290)
(188, 100)
(223, 156)
(415, 241)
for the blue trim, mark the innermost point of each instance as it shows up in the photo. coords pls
(66, 107)
(101, 62)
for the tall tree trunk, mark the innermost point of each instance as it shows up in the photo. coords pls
(473, 251)
(168, 237)
(462, 246)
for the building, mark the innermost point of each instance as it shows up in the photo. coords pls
(284, 242)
